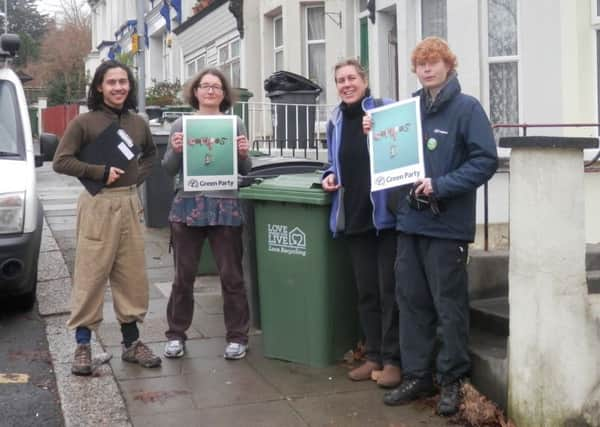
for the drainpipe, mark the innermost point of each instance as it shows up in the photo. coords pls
(141, 56)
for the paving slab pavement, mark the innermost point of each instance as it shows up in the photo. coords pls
(200, 389)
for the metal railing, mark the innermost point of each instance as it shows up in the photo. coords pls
(290, 130)
(296, 130)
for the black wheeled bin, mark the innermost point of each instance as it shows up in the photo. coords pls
(158, 189)
(293, 125)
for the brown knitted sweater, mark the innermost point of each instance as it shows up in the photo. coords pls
(86, 127)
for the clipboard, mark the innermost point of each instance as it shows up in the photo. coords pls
(113, 147)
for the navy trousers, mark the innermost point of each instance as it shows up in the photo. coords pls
(433, 300)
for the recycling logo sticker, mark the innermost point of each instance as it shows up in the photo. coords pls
(286, 240)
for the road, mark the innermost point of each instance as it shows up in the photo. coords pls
(28, 394)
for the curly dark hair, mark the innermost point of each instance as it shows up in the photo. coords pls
(191, 86)
(95, 99)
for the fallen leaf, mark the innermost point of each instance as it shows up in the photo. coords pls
(158, 396)
(477, 410)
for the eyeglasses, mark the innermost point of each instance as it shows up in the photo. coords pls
(208, 88)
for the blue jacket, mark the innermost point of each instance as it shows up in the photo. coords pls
(382, 217)
(460, 157)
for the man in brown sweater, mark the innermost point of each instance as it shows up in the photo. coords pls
(110, 231)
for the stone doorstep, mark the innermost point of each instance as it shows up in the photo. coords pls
(489, 365)
(593, 281)
(488, 272)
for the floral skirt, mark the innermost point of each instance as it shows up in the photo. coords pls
(200, 211)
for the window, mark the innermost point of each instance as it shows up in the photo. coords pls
(10, 137)
(229, 61)
(166, 60)
(595, 12)
(434, 19)
(503, 64)
(598, 71)
(278, 43)
(194, 66)
(315, 47)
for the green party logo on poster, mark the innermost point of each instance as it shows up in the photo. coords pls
(209, 153)
(395, 149)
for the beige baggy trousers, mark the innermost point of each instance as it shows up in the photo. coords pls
(110, 247)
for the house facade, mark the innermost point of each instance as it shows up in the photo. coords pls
(524, 65)
(528, 61)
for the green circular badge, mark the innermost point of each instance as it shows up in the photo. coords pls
(431, 144)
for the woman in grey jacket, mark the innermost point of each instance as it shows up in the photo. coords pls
(213, 215)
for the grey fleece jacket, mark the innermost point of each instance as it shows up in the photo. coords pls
(173, 164)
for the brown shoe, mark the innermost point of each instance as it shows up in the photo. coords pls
(138, 352)
(390, 377)
(363, 372)
(82, 360)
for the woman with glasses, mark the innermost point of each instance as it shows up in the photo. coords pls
(213, 215)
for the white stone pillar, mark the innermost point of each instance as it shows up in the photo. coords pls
(553, 343)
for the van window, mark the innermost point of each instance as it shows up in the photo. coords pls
(11, 138)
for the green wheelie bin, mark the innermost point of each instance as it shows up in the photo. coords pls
(306, 289)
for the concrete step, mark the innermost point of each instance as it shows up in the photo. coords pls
(593, 281)
(490, 315)
(488, 272)
(592, 257)
(489, 365)
(488, 290)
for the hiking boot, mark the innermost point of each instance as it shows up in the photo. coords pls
(82, 360)
(363, 372)
(409, 390)
(390, 377)
(174, 349)
(235, 351)
(138, 352)
(450, 399)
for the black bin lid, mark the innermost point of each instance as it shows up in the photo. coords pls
(287, 81)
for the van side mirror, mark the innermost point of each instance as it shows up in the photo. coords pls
(48, 144)
(9, 44)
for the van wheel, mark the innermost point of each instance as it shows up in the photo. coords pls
(25, 301)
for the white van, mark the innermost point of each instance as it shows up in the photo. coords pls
(20, 209)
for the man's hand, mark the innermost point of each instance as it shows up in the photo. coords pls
(329, 183)
(424, 186)
(114, 174)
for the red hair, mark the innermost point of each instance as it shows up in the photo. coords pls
(432, 49)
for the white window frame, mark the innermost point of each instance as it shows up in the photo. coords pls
(595, 15)
(419, 10)
(166, 57)
(278, 48)
(308, 43)
(230, 60)
(595, 24)
(488, 60)
(195, 63)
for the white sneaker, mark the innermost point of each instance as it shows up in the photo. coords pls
(174, 349)
(235, 351)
